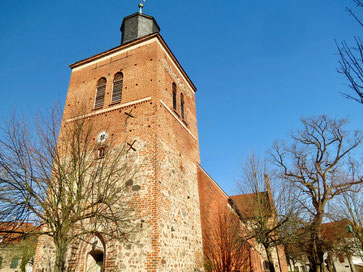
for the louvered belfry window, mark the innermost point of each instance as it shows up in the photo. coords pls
(117, 87)
(100, 94)
(174, 96)
(182, 106)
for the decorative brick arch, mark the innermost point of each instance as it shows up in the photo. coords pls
(89, 248)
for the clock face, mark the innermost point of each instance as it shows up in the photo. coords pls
(102, 137)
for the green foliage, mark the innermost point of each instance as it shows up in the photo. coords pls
(27, 251)
(14, 262)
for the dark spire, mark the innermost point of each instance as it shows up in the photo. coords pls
(138, 25)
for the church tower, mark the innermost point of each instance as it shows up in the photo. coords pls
(139, 93)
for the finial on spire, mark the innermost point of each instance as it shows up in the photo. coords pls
(141, 5)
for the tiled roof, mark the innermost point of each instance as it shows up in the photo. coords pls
(12, 232)
(253, 205)
(335, 230)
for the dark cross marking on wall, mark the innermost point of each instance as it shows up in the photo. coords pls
(131, 146)
(128, 115)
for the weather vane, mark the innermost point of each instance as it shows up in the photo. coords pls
(141, 5)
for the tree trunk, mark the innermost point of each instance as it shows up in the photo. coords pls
(269, 259)
(60, 257)
(313, 267)
(330, 263)
(320, 254)
(320, 267)
(317, 263)
(316, 257)
(314, 260)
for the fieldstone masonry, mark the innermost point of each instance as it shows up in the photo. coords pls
(175, 197)
(167, 151)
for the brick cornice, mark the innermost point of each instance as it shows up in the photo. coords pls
(132, 44)
(114, 108)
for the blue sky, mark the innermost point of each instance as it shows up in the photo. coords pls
(258, 65)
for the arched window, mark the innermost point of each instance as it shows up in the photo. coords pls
(117, 87)
(95, 258)
(182, 106)
(101, 152)
(174, 95)
(266, 266)
(100, 94)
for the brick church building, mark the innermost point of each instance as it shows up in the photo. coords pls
(142, 77)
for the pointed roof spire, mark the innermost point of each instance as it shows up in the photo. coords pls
(138, 25)
(141, 5)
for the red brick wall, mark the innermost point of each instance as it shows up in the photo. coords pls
(213, 202)
(166, 145)
(212, 199)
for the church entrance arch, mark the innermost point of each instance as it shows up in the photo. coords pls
(95, 257)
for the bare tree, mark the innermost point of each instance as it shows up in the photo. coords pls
(67, 184)
(351, 60)
(223, 248)
(264, 217)
(316, 161)
(350, 206)
(294, 254)
(294, 236)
